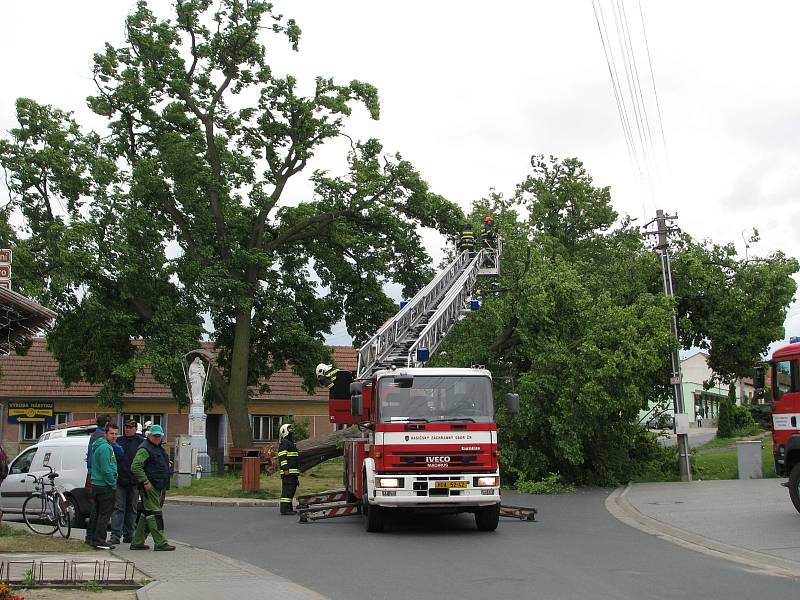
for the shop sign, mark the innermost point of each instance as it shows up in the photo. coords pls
(30, 411)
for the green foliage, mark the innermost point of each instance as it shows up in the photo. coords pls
(743, 420)
(91, 586)
(761, 414)
(731, 308)
(725, 419)
(29, 578)
(552, 484)
(181, 211)
(579, 325)
(301, 427)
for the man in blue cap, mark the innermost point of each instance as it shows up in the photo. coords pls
(151, 469)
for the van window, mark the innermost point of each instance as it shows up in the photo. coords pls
(22, 464)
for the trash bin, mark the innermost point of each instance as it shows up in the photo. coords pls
(251, 469)
(749, 458)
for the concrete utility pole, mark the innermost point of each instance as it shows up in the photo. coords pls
(681, 418)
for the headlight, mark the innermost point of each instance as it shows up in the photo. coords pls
(486, 482)
(388, 482)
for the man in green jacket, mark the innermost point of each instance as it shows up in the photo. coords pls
(151, 469)
(104, 483)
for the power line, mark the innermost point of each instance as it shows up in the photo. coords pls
(640, 94)
(617, 92)
(627, 61)
(653, 79)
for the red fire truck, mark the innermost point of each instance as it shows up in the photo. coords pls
(785, 386)
(430, 442)
(428, 435)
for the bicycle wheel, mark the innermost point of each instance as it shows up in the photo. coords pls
(63, 516)
(39, 514)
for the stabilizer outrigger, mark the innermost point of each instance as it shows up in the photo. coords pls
(336, 503)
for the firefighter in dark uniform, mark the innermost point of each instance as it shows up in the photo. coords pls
(289, 460)
(326, 375)
(467, 240)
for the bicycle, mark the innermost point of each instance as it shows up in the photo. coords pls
(47, 509)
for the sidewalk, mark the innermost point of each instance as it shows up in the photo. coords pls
(751, 522)
(188, 572)
(199, 574)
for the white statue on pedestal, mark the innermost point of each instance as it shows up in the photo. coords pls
(197, 377)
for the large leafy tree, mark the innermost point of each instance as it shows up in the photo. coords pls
(580, 326)
(181, 212)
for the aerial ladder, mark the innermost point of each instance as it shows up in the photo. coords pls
(415, 332)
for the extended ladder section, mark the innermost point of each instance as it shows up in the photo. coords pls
(424, 321)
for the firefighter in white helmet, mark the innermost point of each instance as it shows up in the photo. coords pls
(289, 460)
(326, 375)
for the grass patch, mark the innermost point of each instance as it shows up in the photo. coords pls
(552, 484)
(14, 539)
(747, 434)
(724, 465)
(326, 476)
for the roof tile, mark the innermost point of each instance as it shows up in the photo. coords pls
(35, 374)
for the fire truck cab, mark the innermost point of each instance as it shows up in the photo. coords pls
(430, 442)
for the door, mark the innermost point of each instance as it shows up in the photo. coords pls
(18, 486)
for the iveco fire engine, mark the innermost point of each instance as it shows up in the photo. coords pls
(430, 443)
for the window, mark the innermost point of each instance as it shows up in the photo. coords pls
(266, 427)
(428, 398)
(23, 462)
(143, 418)
(61, 418)
(32, 431)
(784, 377)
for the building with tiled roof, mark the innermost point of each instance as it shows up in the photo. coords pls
(33, 378)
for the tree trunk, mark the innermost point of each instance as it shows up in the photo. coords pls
(236, 407)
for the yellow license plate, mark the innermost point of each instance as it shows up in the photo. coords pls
(451, 484)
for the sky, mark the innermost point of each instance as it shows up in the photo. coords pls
(470, 90)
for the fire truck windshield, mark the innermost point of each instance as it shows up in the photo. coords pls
(429, 398)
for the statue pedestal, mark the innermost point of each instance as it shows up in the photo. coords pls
(197, 434)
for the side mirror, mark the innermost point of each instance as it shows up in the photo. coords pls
(356, 387)
(512, 402)
(758, 381)
(356, 405)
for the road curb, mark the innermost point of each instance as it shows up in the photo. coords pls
(621, 508)
(206, 501)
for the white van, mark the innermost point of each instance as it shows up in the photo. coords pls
(67, 456)
(67, 432)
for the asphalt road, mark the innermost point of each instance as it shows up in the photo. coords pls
(576, 550)
(695, 439)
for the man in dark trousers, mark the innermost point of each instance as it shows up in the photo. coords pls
(102, 421)
(124, 518)
(104, 482)
(289, 459)
(151, 470)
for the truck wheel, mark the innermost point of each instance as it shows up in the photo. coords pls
(487, 517)
(794, 486)
(373, 515)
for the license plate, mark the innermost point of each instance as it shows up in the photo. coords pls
(451, 484)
